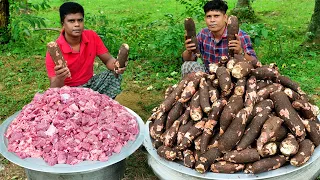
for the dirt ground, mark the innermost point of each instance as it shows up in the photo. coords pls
(136, 165)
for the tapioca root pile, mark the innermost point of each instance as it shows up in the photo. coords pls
(239, 116)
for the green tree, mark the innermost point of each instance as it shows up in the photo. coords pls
(244, 11)
(16, 19)
(4, 21)
(314, 26)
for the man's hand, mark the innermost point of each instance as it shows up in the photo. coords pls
(120, 70)
(236, 45)
(61, 72)
(191, 47)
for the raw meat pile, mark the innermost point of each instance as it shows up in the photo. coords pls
(69, 125)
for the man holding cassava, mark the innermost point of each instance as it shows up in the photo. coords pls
(79, 47)
(212, 41)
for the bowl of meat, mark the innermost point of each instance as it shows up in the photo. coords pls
(74, 133)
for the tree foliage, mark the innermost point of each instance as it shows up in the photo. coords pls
(23, 20)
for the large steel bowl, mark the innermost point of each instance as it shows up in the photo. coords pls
(38, 169)
(165, 169)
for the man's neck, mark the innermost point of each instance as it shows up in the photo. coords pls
(72, 41)
(218, 34)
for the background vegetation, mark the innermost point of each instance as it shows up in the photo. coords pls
(154, 31)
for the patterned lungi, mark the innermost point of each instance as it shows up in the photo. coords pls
(105, 83)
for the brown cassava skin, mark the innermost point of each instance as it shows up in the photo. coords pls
(265, 92)
(157, 143)
(195, 131)
(224, 78)
(235, 131)
(266, 164)
(196, 154)
(244, 156)
(122, 58)
(226, 167)
(56, 54)
(211, 123)
(265, 73)
(287, 82)
(293, 96)
(170, 136)
(167, 104)
(268, 130)
(305, 151)
(182, 131)
(205, 138)
(289, 146)
(189, 159)
(280, 134)
(190, 30)
(169, 90)
(191, 87)
(260, 106)
(308, 110)
(214, 94)
(167, 153)
(286, 112)
(213, 143)
(174, 114)
(204, 96)
(240, 87)
(263, 83)
(229, 112)
(251, 92)
(253, 130)
(206, 159)
(158, 126)
(313, 130)
(232, 30)
(241, 69)
(179, 153)
(184, 118)
(195, 108)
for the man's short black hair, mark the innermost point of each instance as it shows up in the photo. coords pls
(215, 5)
(70, 8)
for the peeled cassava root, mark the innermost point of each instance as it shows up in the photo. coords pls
(239, 117)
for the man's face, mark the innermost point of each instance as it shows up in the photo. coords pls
(73, 24)
(215, 20)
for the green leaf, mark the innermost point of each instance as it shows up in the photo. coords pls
(264, 33)
(36, 6)
(27, 32)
